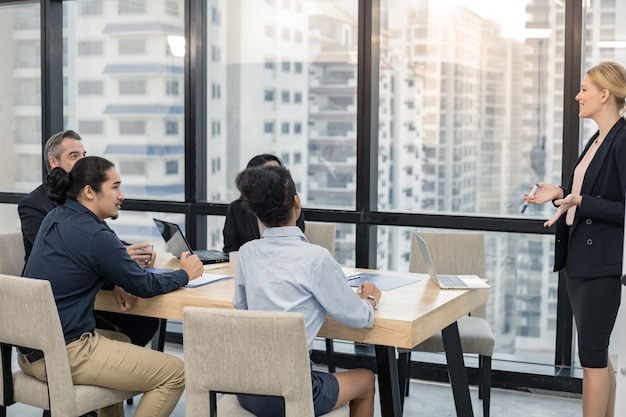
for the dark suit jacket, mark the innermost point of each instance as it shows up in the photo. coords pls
(592, 246)
(241, 226)
(32, 209)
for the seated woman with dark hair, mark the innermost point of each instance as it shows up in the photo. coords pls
(241, 225)
(281, 271)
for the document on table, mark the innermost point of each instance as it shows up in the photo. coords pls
(384, 282)
(206, 279)
(217, 265)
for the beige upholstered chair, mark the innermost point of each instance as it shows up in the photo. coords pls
(11, 263)
(11, 253)
(456, 253)
(218, 359)
(30, 319)
(323, 234)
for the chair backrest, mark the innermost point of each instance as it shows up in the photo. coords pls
(11, 253)
(452, 253)
(30, 319)
(322, 234)
(250, 352)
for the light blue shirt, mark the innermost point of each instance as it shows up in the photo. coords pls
(282, 271)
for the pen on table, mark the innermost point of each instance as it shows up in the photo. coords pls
(532, 192)
(354, 275)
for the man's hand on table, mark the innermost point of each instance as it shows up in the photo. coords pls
(125, 300)
(192, 265)
(142, 253)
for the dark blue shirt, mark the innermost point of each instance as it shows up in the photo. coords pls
(78, 253)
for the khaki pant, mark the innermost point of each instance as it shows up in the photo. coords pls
(113, 363)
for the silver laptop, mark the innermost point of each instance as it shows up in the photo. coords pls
(448, 282)
(177, 244)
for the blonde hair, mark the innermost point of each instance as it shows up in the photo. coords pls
(611, 76)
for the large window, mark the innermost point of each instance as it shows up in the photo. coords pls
(469, 102)
(117, 94)
(20, 101)
(469, 117)
(283, 94)
(287, 95)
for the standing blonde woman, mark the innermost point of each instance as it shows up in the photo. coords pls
(590, 231)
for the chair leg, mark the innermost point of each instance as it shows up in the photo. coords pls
(46, 413)
(6, 352)
(330, 355)
(485, 383)
(481, 365)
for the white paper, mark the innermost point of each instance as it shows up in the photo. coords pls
(205, 279)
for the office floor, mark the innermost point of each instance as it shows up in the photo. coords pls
(426, 399)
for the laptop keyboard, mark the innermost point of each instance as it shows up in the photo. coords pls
(451, 281)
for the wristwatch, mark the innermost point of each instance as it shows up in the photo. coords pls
(371, 297)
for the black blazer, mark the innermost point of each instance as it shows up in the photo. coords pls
(32, 209)
(592, 246)
(241, 226)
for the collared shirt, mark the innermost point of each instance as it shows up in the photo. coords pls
(78, 253)
(283, 272)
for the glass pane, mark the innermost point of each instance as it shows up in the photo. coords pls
(20, 102)
(10, 218)
(345, 247)
(471, 97)
(125, 75)
(522, 302)
(281, 79)
(136, 227)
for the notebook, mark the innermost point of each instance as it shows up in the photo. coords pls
(177, 244)
(384, 282)
(448, 282)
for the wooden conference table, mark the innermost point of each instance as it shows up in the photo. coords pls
(405, 317)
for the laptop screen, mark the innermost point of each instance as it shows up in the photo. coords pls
(173, 236)
(428, 262)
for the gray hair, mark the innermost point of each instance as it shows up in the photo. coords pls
(53, 145)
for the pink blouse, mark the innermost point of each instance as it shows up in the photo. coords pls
(579, 175)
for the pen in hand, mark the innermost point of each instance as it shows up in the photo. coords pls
(532, 192)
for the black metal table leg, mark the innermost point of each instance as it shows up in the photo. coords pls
(158, 342)
(457, 371)
(388, 387)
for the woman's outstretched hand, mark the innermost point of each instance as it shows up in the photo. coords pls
(563, 205)
(546, 192)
